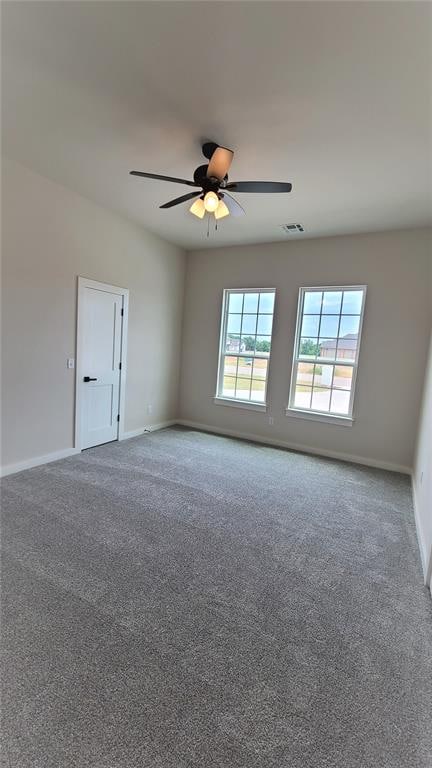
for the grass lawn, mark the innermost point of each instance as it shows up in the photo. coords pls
(243, 383)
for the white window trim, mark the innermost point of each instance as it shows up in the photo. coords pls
(324, 416)
(329, 418)
(250, 405)
(219, 399)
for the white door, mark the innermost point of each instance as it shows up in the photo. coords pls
(101, 317)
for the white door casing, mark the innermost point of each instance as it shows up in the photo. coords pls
(101, 363)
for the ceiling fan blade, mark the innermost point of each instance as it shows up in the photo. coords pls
(182, 199)
(259, 186)
(163, 178)
(233, 206)
(220, 162)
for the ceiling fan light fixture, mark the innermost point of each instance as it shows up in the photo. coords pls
(211, 202)
(212, 188)
(198, 208)
(221, 210)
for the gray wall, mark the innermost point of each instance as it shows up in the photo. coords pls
(50, 236)
(396, 268)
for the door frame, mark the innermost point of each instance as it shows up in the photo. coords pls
(82, 284)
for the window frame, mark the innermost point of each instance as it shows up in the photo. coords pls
(219, 398)
(311, 413)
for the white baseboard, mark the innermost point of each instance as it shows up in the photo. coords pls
(37, 461)
(11, 469)
(148, 429)
(297, 447)
(425, 556)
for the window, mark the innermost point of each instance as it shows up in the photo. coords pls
(246, 334)
(329, 323)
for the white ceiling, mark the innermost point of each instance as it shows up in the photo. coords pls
(334, 97)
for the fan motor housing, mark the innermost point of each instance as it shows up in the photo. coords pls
(208, 184)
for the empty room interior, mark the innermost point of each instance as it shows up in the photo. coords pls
(216, 384)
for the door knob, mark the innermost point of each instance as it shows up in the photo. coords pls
(88, 378)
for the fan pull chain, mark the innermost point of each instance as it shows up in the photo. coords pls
(208, 226)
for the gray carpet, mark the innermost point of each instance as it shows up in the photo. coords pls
(183, 600)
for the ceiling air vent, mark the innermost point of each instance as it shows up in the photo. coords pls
(292, 229)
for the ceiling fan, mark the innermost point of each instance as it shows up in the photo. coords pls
(214, 191)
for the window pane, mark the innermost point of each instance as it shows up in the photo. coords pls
(327, 348)
(349, 324)
(343, 377)
(352, 302)
(250, 302)
(312, 302)
(228, 387)
(347, 347)
(310, 325)
(258, 391)
(248, 344)
(321, 399)
(233, 343)
(244, 374)
(245, 365)
(260, 369)
(249, 324)
(329, 326)
(235, 302)
(308, 347)
(265, 324)
(302, 398)
(234, 323)
(266, 302)
(242, 388)
(263, 344)
(332, 302)
(305, 374)
(230, 366)
(340, 402)
(323, 375)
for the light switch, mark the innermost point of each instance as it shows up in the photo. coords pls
(70, 362)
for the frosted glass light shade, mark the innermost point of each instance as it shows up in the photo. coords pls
(198, 208)
(221, 210)
(211, 202)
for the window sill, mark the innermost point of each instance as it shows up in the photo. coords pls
(342, 421)
(246, 404)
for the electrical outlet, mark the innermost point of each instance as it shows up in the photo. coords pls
(70, 362)
(271, 421)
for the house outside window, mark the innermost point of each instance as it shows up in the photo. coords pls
(346, 347)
